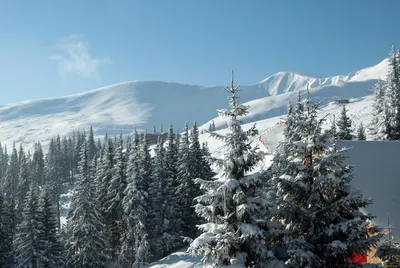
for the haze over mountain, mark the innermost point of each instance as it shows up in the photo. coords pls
(120, 108)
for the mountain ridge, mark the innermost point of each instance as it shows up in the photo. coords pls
(121, 107)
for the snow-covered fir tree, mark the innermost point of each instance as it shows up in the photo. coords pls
(333, 130)
(86, 242)
(113, 200)
(6, 233)
(319, 208)
(166, 233)
(157, 203)
(91, 145)
(50, 240)
(104, 175)
(234, 206)
(393, 95)
(27, 246)
(134, 250)
(361, 136)
(344, 125)
(208, 172)
(389, 250)
(38, 165)
(24, 184)
(377, 128)
(190, 167)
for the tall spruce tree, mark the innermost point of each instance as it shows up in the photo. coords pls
(389, 249)
(49, 239)
(157, 202)
(344, 126)
(86, 242)
(393, 95)
(113, 200)
(320, 210)
(27, 247)
(134, 250)
(183, 197)
(234, 205)
(377, 128)
(6, 234)
(104, 175)
(361, 136)
(91, 144)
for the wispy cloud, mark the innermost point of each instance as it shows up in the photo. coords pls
(74, 57)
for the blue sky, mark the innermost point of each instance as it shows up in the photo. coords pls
(54, 48)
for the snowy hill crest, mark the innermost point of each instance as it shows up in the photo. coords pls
(119, 108)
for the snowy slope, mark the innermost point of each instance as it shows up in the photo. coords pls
(179, 259)
(119, 108)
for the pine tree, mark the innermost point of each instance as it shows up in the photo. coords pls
(11, 179)
(6, 234)
(113, 200)
(333, 130)
(86, 242)
(316, 203)
(361, 133)
(196, 169)
(393, 94)
(50, 241)
(344, 126)
(208, 173)
(24, 184)
(91, 145)
(234, 204)
(171, 155)
(104, 174)
(184, 177)
(135, 205)
(377, 129)
(38, 165)
(157, 202)
(27, 248)
(388, 250)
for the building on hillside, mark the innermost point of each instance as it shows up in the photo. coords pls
(377, 175)
(342, 101)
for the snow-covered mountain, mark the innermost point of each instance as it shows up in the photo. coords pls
(119, 108)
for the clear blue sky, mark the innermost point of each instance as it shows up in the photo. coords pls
(54, 48)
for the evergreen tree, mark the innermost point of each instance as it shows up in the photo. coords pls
(38, 165)
(27, 248)
(135, 205)
(321, 212)
(91, 145)
(6, 234)
(171, 155)
(361, 133)
(393, 94)
(104, 174)
(344, 126)
(11, 178)
(50, 241)
(184, 177)
(208, 173)
(234, 205)
(377, 129)
(333, 130)
(196, 170)
(86, 242)
(157, 203)
(113, 200)
(389, 250)
(24, 184)
(53, 174)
